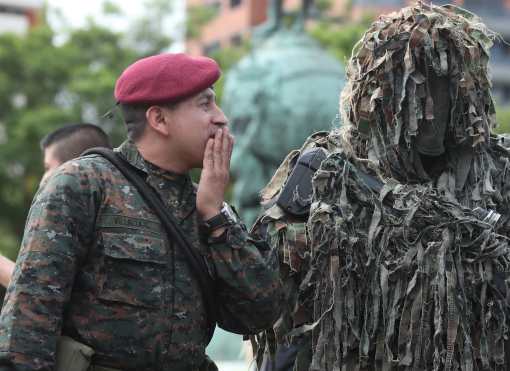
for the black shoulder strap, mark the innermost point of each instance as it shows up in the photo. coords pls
(171, 226)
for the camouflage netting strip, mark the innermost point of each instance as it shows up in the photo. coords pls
(289, 238)
(402, 49)
(422, 290)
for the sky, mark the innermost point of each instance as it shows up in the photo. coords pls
(75, 14)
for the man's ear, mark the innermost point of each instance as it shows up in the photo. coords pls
(157, 120)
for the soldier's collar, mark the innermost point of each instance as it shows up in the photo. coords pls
(129, 151)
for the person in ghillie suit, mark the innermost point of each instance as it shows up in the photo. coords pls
(402, 262)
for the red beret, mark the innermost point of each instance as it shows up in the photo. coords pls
(165, 78)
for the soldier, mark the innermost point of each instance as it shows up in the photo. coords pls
(96, 265)
(59, 146)
(69, 142)
(398, 257)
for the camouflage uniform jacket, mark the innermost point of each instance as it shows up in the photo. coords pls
(289, 236)
(96, 265)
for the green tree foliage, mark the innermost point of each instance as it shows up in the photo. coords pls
(323, 5)
(199, 16)
(503, 119)
(340, 38)
(44, 84)
(227, 58)
(148, 31)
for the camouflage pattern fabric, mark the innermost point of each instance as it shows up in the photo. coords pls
(289, 237)
(388, 97)
(410, 277)
(96, 265)
(411, 281)
(416, 283)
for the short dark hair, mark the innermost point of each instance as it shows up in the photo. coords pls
(135, 119)
(73, 139)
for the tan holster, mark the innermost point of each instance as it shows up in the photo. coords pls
(73, 355)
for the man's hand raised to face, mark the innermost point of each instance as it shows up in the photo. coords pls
(215, 174)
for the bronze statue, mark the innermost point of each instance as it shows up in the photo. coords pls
(276, 13)
(283, 91)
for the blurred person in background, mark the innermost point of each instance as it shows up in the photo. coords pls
(69, 142)
(59, 146)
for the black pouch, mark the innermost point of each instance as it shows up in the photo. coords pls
(296, 195)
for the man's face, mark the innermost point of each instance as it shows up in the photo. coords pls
(193, 122)
(51, 161)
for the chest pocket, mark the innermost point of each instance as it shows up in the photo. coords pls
(133, 269)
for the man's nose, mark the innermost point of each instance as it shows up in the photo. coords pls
(220, 118)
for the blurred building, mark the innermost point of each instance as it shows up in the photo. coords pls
(496, 14)
(18, 16)
(236, 19)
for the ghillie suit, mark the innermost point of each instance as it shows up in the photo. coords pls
(412, 273)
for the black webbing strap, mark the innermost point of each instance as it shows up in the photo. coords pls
(171, 226)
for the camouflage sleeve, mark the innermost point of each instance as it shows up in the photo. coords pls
(289, 239)
(57, 232)
(248, 280)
